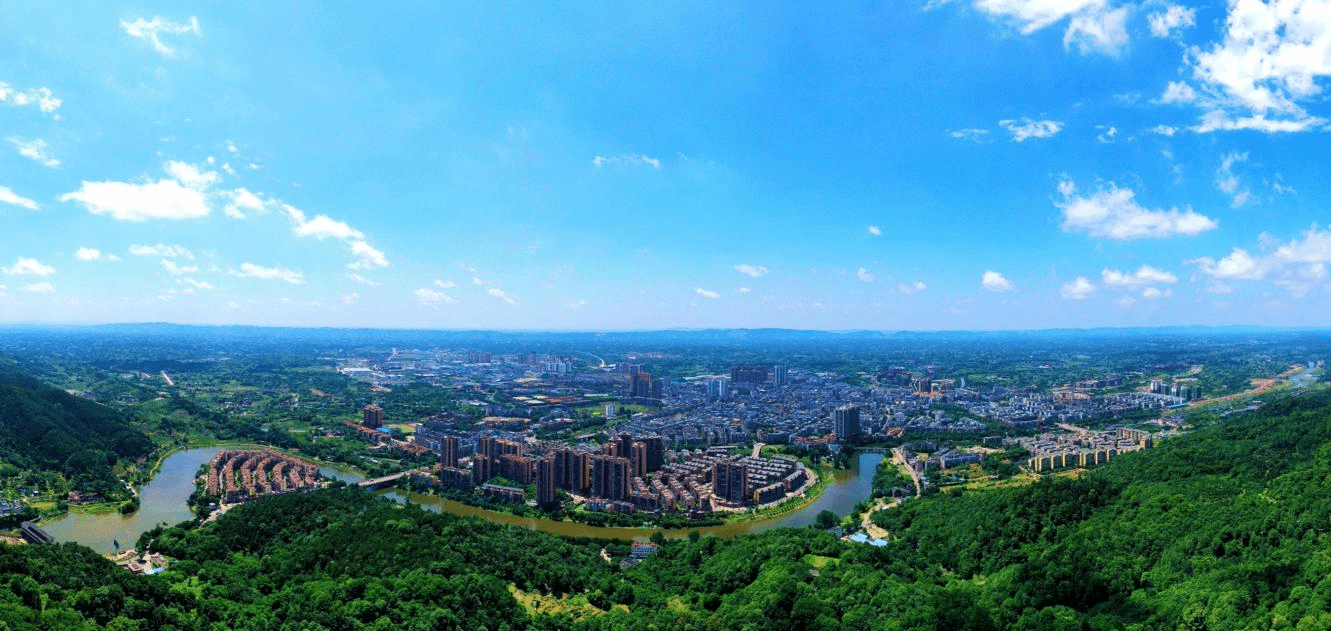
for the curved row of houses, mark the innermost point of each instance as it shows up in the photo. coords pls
(240, 475)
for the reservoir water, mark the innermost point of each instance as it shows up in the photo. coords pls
(163, 501)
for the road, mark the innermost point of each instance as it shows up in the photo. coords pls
(591, 355)
(899, 457)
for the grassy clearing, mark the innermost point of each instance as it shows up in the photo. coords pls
(819, 562)
(574, 605)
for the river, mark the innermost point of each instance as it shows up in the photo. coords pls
(163, 500)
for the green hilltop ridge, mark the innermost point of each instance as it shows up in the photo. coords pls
(45, 430)
(1223, 528)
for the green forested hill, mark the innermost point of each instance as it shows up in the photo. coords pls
(46, 429)
(1225, 528)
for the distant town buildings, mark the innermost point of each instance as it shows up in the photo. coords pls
(748, 374)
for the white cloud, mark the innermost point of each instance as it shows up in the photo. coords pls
(875, 231)
(1174, 17)
(361, 279)
(190, 175)
(1297, 265)
(1027, 128)
(1228, 183)
(1145, 275)
(250, 270)
(445, 284)
(864, 275)
(993, 281)
(8, 196)
(432, 298)
(1107, 136)
(1238, 265)
(575, 304)
(231, 147)
(243, 203)
(164, 199)
(367, 256)
(178, 270)
(192, 284)
(1126, 301)
(39, 288)
(912, 288)
(1155, 293)
(1078, 289)
(151, 30)
(88, 254)
(631, 158)
(502, 295)
(972, 134)
(29, 267)
(42, 97)
(1178, 92)
(321, 227)
(1114, 213)
(751, 270)
(34, 150)
(351, 298)
(706, 293)
(1164, 130)
(162, 250)
(1100, 30)
(226, 166)
(1270, 61)
(744, 290)
(1033, 15)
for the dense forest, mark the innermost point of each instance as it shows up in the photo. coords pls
(1225, 528)
(45, 429)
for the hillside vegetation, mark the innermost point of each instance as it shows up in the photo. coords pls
(45, 429)
(1225, 528)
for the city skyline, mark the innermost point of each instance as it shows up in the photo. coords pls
(950, 164)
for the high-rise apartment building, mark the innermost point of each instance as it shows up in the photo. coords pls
(847, 425)
(448, 451)
(372, 416)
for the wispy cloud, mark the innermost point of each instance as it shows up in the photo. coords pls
(250, 270)
(629, 158)
(864, 275)
(34, 150)
(1026, 128)
(911, 288)
(43, 98)
(39, 288)
(875, 231)
(751, 270)
(8, 196)
(1174, 17)
(433, 298)
(972, 134)
(161, 250)
(151, 31)
(1145, 275)
(707, 293)
(502, 295)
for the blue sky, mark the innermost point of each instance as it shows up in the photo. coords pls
(962, 164)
